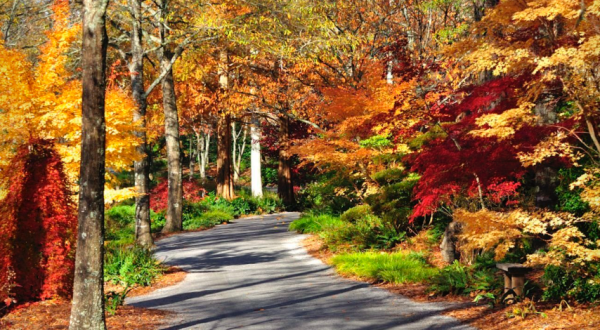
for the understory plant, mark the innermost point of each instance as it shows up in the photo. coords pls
(398, 267)
(128, 267)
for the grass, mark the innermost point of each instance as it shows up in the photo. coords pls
(207, 220)
(313, 223)
(397, 268)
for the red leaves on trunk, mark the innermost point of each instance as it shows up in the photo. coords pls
(37, 231)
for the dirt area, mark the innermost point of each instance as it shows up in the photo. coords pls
(526, 315)
(54, 314)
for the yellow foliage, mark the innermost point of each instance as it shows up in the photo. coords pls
(553, 146)
(44, 101)
(504, 125)
(502, 231)
(115, 195)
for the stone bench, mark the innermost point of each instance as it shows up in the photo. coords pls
(514, 280)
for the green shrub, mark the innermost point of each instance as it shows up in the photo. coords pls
(389, 239)
(369, 231)
(241, 206)
(357, 214)
(269, 175)
(112, 300)
(120, 223)
(460, 279)
(212, 202)
(217, 216)
(313, 224)
(360, 230)
(563, 284)
(398, 267)
(207, 220)
(199, 223)
(122, 214)
(377, 142)
(452, 279)
(389, 176)
(569, 200)
(393, 203)
(268, 203)
(324, 197)
(157, 221)
(129, 266)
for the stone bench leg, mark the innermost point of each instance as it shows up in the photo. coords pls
(518, 283)
(508, 286)
(514, 282)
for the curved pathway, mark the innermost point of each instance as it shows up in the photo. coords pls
(253, 274)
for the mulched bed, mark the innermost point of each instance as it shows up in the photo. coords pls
(55, 314)
(520, 316)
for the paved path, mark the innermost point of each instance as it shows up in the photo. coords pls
(254, 274)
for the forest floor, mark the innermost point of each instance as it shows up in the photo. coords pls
(54, 314)
(526, 315)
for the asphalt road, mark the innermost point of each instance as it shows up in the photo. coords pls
(254, 274)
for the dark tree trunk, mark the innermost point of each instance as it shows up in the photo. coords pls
(87, 310)
(479, 10)
(175, 198)
(285, 186)
(546, 177)
(143, 236)
(224, 158)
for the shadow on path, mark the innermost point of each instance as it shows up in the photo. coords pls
(253, 274)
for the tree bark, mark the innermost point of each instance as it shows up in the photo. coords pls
(202, 152)
(238, 150)
(193, 155)
(87, 310)
(256, 174)
(285, 186)
(175, 198)
(546, 178)
(234, 139)
(143, 236)
(224, 158)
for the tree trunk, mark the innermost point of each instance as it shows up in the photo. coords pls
(224, 161)
(192, 165)
(175, 198)
(87, 311)
(285, 186)
(238, 150)
(234, 137)
(143, 236)
(546, 178)
(204, 144)
(256, 175)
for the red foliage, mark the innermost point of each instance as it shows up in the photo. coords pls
(461, 164)
(37, 232)
(192, 192)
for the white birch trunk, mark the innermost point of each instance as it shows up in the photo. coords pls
(256, 174)
(203, 145)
